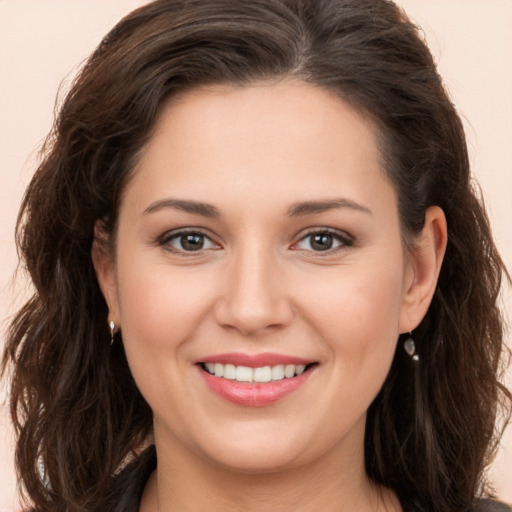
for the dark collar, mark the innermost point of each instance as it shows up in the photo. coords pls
(129, 484)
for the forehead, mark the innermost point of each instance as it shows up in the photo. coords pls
(283, 138)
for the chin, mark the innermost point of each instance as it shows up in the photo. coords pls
(258, 463)
(259, 454)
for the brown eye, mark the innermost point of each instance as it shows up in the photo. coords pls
(186, 242)
(191, 242)
(323, 241)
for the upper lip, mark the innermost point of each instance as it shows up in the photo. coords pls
(255, 360)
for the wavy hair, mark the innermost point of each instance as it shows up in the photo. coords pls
(77, 411)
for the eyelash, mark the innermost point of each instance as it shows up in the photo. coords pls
(165, 241)
(344, 240)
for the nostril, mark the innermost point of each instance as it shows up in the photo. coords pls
(250, 318)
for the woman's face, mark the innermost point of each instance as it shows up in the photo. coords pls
(258, 236)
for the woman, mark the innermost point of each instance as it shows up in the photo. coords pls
(263, 280)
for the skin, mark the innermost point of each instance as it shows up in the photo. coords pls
(260, 285)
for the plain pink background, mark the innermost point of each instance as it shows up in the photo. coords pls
(42, 42)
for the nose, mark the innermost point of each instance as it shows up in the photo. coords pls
(254, 296)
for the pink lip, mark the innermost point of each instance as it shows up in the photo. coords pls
(254, 394)
(254, 360)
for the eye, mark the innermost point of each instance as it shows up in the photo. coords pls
(187, 241)
(323, 241)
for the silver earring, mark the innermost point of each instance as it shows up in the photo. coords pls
(410, 348)
(112, 326)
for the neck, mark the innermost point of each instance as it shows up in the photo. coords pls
(187, 483)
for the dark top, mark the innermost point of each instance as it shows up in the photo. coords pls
(130, 483)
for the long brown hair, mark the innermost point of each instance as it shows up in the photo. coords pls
(76, 409)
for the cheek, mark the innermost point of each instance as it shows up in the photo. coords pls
(357, 311)
(160, 309)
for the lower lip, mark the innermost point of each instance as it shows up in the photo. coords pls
(254, 394)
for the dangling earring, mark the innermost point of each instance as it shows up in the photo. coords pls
(410, 348)
(112, 326)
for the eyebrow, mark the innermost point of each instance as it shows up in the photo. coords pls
(313, 207)
(195, 207)
(296, 210)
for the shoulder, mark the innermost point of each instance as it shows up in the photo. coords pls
(487, 505)
(128, 485)
(130, 482)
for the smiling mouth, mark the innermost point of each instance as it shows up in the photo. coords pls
(257, 375)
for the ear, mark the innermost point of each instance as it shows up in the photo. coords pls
(422, 269)
(104, 264)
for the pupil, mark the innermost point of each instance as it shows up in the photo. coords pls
(321, 242)
(192, 242)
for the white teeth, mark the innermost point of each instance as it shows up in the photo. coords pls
(244, 374)
(263, 374)
(278, 372)
(229, 371)
(260, 374)
(219, 370)
(289, 371)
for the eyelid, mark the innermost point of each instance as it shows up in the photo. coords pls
(165, 239)
(346, 240)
